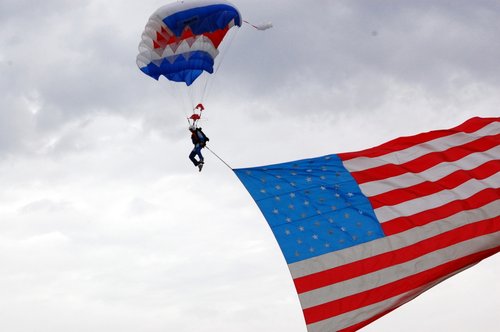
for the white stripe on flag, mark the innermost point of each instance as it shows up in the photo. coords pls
(432, 174)
(396, 272)
(408, 208)
(357, 316)
(402, 156)
(396, 241)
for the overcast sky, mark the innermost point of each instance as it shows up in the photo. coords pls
(105, 225)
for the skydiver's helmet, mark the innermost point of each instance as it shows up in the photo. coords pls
(192, 127)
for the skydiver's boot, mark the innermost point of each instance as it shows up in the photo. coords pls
(200, 165)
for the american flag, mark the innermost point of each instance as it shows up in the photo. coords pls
(365, 232)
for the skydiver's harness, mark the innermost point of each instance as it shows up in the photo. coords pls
(199, 137)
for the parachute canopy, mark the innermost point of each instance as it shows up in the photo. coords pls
(181, 39)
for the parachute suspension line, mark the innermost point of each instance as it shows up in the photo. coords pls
(215, 154)
(185, 102)
(205, 82)
(223, 50)
(226, 45)
(191, 93)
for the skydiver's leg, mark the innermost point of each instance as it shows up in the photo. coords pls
(200, 163)
(192, 157)
(200, 155)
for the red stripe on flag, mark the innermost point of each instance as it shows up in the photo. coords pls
(402, 143)
(401, 286)
(409, 296)
(359, 325)
(387, 259)
(448, 182)
(475, 201)
(427, 161)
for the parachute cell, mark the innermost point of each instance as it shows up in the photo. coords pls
(181, 39)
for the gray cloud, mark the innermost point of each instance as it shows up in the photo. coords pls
(332, 47)
(106, 226)
(343, 56)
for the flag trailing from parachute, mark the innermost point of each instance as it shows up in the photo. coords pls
(365, 232)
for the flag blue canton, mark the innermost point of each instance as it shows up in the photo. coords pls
(313, 206)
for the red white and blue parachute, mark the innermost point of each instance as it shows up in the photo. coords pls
(181, 40)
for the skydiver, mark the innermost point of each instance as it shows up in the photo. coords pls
(199, 140)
